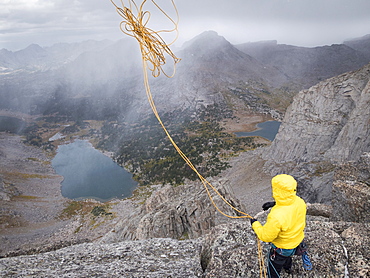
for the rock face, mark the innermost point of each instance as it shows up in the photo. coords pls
(325, 125)
(7, 191)
(327, 121)
(230, 251)
(148, 258)
(175, 212)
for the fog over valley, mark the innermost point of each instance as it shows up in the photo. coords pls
(103, 74)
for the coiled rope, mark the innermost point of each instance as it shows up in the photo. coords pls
(154, 51)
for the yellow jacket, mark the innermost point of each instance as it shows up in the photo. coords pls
(287, 219)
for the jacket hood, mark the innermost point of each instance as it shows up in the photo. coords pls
(284, 188)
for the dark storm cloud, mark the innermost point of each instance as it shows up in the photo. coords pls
(299, 22)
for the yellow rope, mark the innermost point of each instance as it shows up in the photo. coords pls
(154, 51)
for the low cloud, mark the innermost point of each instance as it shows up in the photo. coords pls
(299, 22)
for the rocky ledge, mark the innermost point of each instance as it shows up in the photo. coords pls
(336, 249)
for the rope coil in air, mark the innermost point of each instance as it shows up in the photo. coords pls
(154, 51)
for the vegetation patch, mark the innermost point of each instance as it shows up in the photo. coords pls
(100, 210)
(324, 167)
(142, 193)
(39, 133)
(78, 229)
(145, 150)
(74, 208)
(26, 197)
(23, 176)
(33, 159)
(184, 236)
(43, 162)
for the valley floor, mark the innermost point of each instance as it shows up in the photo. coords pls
(32, 215)
(30, 222)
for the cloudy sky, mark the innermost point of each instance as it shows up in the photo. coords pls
(297, 22)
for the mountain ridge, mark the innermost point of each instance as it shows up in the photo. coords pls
(308, 65)
(212, 70)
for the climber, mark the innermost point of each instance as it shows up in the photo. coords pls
(284, 226)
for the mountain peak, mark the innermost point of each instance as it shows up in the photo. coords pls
(209, 34)
(33, 48)
(211, 38)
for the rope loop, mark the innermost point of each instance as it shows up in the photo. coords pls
(153, 48)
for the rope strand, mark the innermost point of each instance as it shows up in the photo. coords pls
(154, 51)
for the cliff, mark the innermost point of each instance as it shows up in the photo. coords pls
(326, 125)
(180, 212)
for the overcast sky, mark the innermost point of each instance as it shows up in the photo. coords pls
(297, 22)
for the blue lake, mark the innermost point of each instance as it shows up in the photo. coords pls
(90, 174)
(266, 130)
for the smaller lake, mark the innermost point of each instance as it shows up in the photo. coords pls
(90, 174)
(266, 130)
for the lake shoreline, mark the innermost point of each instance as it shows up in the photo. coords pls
(267, 130)
(38, 201)
(88, 174)
(30, 219)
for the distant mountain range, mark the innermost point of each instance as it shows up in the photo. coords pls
(308, 66)
(95, 79)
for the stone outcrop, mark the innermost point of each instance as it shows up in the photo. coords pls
(180, 212)
(334, 249)
(229, 250)
(147, 258)
(7, 190)
(337, 248)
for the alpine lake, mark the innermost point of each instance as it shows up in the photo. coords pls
(267, 130)
(90, 174)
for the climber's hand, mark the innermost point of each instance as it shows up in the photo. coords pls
(268, 205)
(253, 220)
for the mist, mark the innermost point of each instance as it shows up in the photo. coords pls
(301, 23)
